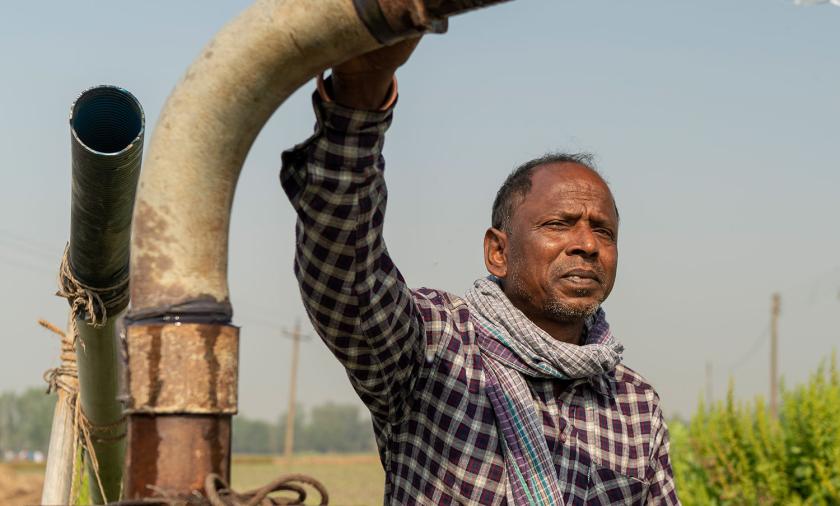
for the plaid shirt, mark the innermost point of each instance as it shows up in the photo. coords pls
(412, 355)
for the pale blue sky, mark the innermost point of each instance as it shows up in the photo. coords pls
(716, 123)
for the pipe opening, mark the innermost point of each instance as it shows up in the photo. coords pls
(106, 119)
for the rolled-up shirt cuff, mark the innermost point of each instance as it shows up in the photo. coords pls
(393, 91)
(345, 139)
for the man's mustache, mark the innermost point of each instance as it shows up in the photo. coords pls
(594, 271)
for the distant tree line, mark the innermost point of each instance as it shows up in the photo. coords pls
(26, 420)
(328, 428)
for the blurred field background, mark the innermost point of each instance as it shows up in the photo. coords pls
(351, 479)
(729, 453)
(20, 484)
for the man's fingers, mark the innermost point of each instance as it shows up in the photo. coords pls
(384, 59)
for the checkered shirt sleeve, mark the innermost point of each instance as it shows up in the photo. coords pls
(354, 295)
(662, 489)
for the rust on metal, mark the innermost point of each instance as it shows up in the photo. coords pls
(406, 16)
(417, 16)
(175, 453)
(183, 368)
(151, 227)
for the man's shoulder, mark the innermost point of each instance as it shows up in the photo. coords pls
(445, 316)
(629, 383)
(434, 303)
(434, 296)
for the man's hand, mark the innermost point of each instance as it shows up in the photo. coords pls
(363, 82)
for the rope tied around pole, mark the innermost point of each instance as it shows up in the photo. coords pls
(89, 301)
(66, 376)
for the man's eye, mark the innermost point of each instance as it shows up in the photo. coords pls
(605, 232)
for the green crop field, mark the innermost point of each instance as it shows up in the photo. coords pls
(351, 480)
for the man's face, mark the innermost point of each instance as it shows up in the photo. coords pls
(558, 258)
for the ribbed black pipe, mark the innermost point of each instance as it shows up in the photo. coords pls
(107, 126)
(445, 8)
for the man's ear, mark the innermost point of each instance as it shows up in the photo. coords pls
(495, 252)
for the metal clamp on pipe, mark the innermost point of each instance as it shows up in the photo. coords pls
(393, 20)
(182, 368)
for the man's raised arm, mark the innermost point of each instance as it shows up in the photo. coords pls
(355, 296)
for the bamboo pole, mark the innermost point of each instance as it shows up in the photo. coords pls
(61, 455)
(58, 475)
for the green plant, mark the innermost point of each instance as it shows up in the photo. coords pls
(736, 453)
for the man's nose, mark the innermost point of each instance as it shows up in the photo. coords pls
(583, 241)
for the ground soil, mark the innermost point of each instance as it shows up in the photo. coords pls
(19, 489)
(352, 480)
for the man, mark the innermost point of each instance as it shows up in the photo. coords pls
(513, 394)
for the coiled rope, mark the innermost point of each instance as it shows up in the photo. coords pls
(218, 493)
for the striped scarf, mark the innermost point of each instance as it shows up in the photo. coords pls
(531, 476)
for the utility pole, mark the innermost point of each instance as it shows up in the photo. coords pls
(288, 445)
(774, 354)
(710, 399)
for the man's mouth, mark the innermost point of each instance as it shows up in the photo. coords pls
(582, 274)
(581, 277)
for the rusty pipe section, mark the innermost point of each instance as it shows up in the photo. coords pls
(390, 20)
(182, 351)
(181, 381)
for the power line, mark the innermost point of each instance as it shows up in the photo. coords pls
(28, 241)
(16, 245)
(39, 268)
(752, 350)
(263, 322)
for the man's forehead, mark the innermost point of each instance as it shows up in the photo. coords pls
(570, 179)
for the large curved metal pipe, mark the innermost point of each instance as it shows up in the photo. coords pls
(179, 244)
(179, 248)
(182, 354)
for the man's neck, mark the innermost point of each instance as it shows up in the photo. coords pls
(568, 332)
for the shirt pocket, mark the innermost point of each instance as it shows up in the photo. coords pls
(608, 487)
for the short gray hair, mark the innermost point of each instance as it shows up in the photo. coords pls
(518, 184)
